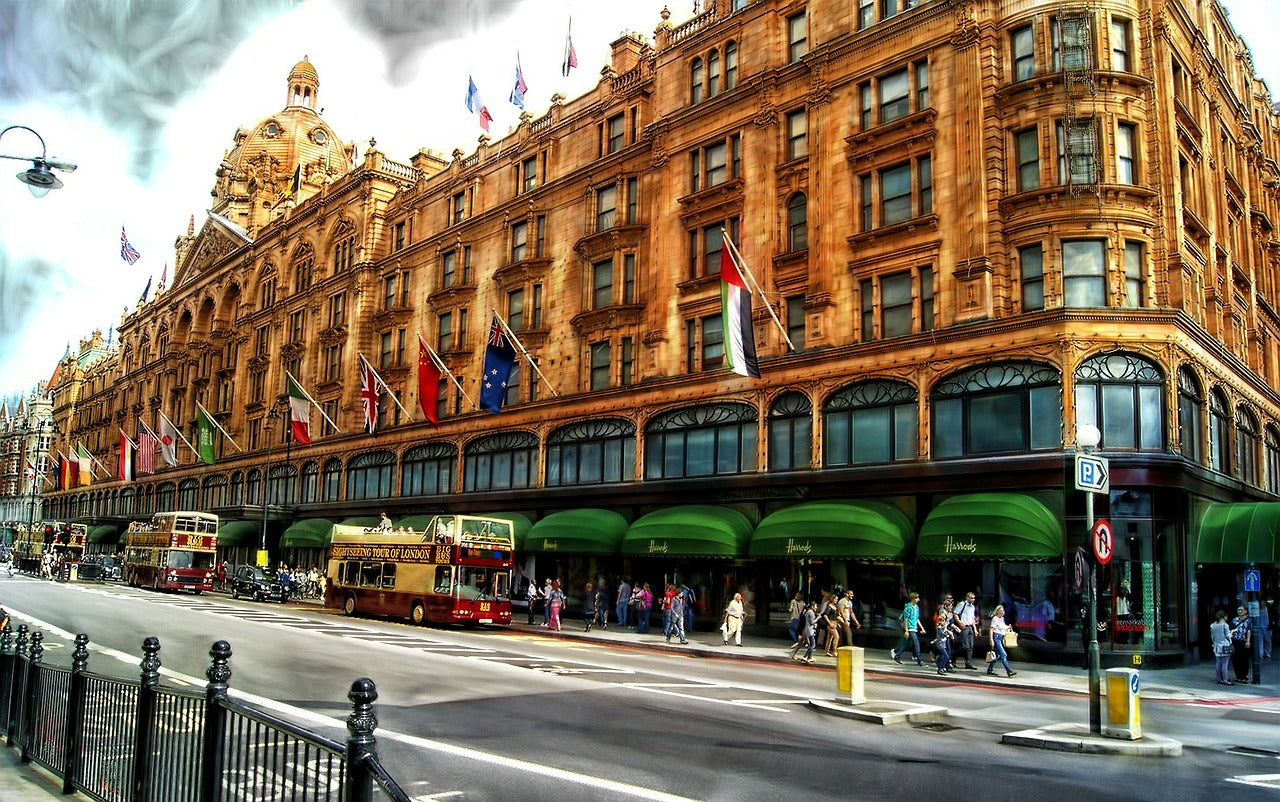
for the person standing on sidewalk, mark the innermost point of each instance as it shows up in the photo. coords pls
(796, 612)
(546, 602)
(847, 617)
(623, 604)
(1220, 635)
(944, 637)
(644, 607)
(555, 601)
(995, 639)
(667, 596)
(602, 605)
(911, 629)
(733, 615)
(690, 599)
(967, 618)
(1241, 644)
(531, 596)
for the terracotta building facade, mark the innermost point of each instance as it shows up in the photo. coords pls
(978, 225)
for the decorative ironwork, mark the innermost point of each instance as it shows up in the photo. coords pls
(591, 430)
(1000, 375)
(1119, 367)
(697, 417)
(870, 394)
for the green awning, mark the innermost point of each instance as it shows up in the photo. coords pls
(1240, 534)
(417, 523)
(584, 531)
(239, 533)
(367, 521)
(696, 530)
(312, 533)
(990, 526)
(105, 533)
(858, 530)
(520, 526)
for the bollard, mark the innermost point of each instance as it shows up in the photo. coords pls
(850, 674)
(1124, 718)
(360, 740)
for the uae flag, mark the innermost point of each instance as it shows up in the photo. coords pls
(739, 334)
(428, 383)
(125, 467)
(299, 412)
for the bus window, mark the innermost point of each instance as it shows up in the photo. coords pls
(444, 579)
(349, 573)
(388, 575)
(499, 584)
(370, 575)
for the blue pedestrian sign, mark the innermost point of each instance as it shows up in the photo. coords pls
(1252, 580)
(1091, 474)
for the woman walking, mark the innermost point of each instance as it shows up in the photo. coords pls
(808, 633)
(555, 600)
(733, 620)
(589, 605)
(995, 639)
(796, 613)
(1220, 635)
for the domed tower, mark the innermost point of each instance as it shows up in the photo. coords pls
(281, 161)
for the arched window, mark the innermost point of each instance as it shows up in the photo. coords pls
(189, 494)
(1000, 408)
(500, 461)
(215, 492)
(148, 501)
(282, 485)
(712, 440)
(713, 73)
(1219, 432)
(253, 487)
(307, 490)
(870, 422)
(331, 480)
(427, 470)
(164, 497)
(695, 81)
(730, 65)
(127, 497)
(592, 452)
(1123, 395)
(83, 504)
(1248, 439)
(797, 223)
(237, 489)
(1271, 448)
(791, 433)
(1190, 415)
(369, 475)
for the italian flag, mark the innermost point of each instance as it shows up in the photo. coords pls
(739, 334)
(299, 412)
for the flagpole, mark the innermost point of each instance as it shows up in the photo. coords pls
(390, 392)
(95, 460)
(736, 255)
(520, 345)
(315, 403)
(181, 437)
(127, 437)
(439, 363)
(217, 425)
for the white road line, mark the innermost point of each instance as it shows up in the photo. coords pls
(1257, 780)
(299, 714)
(665, 692)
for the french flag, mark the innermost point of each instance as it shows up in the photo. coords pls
(476, 106)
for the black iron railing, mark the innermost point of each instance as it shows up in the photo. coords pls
(122, 740)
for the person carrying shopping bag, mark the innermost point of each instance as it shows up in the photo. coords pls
(995, 640)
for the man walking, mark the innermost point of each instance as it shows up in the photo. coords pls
(847, 617)
(911, 629)
(677, 618)
(624, 603)
(967, 618)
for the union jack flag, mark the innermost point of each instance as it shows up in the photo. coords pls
(128, 252)
(369, 397)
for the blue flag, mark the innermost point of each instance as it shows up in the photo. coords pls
(517, 92)
(145, 291)
(499, 356)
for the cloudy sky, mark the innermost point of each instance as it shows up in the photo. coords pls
(145, 96)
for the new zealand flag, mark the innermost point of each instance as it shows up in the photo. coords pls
(499, 356)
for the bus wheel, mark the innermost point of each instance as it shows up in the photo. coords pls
(417, 613)
(349, 605)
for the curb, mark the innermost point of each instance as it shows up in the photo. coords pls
(1077, 738)
(882, 711)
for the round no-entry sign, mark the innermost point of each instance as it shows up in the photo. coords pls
(1102, 541)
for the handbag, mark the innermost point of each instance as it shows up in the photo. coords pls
(1011, 640)
(991, 655)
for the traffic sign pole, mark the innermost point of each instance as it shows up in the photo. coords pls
(1095, 658)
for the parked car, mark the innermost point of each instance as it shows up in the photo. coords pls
(254, 583)
(110, 569)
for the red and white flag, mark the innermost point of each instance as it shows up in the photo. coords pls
(299, 412)
(146, 451)
(124, 464)
(369, 396)
(428, 383)
(168, 442)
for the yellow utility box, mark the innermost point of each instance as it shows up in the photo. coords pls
(850, 683)
(1124, 719)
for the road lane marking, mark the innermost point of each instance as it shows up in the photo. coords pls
(730, 702)
(1257, 780)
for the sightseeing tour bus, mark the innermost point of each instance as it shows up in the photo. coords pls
(172, 551)
(65, 541)
(456, 571)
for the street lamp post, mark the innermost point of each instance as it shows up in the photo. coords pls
(39, 177)
(268, 427)
(1088, 437)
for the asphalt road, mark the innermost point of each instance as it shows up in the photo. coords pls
(511, 715)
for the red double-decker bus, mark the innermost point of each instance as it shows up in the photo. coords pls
(172, 551)
(456, 571)
(66, 542)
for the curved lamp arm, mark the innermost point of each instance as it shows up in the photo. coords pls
(39, 178)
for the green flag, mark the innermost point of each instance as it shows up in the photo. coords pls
(204, 437)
